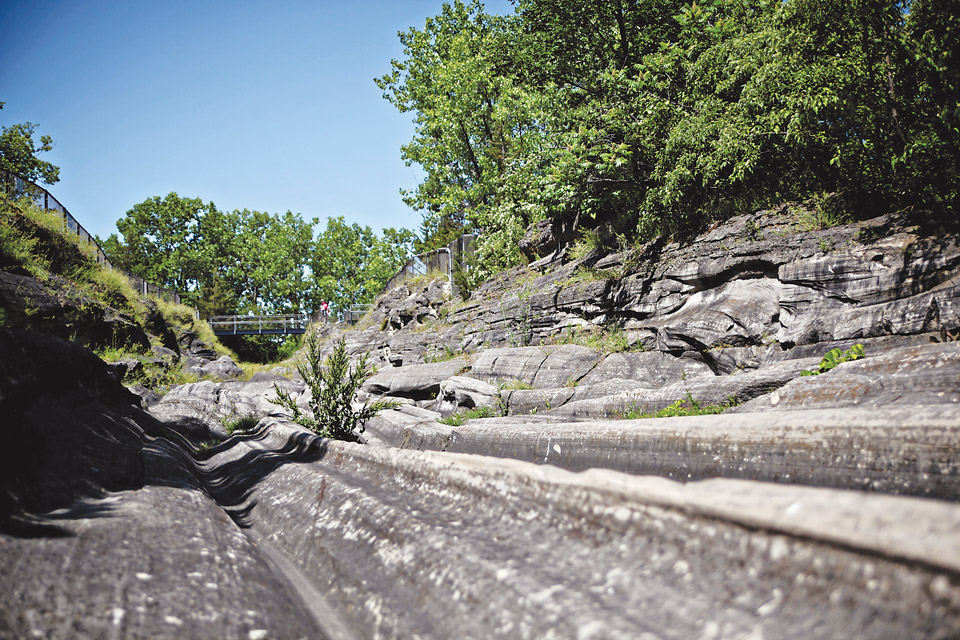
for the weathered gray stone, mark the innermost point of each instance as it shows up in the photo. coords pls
(125, 368)
(542, 367)
(223, 368)
(706, 390)
(392, 428)
(166, 355)
(686, 318)
(194, 365)
(750, 281)
(417, 382)
(57, 308)
(898, 284)
(652, 367)
(905, 450)
(538, 552)
(526, 401)
(544, 238)
(467, 393)
(922, 374)
(200, 408)
(148, 397)
(106, 531)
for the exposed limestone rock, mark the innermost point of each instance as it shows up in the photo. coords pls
(924, 374)
(524, 401)
(706, 390)
(194, 409)
(528, 550)
(199, 409)
(460, 392)
(223, 368)
(544, 238)
(618, 557)
(106, 531)
(417, 382)
(754, 282)
(412, 303)
(905, 450)
(56, 308)
(653, 367)
(542, 367)
(109, 526)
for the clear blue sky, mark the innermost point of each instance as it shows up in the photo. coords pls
(251, 104)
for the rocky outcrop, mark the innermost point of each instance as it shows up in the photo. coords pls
(199, 410)
(461, 392)
(753, 282)
(818, 506)
(57, 308)
(412, 544)
(106, 528)
(418, 382)
(922, 374)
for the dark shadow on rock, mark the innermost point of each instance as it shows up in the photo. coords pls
(21, 526)
(232, 483)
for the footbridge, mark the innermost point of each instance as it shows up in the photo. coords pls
(273, 325)
(283, 324)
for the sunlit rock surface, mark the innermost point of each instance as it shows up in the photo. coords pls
(818, 506)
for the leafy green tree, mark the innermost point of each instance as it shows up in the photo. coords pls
(18, 153)
(387, 254)
(162, 242)
(657, 117)
(473, 122)
(271, 258)
(216, 299)
(351, 265)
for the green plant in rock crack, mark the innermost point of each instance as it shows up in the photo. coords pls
(688, 407)
(241, 424)
(834, 357)
(520, 329)
(457, 419)
(333, 384)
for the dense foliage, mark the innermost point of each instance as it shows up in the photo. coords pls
(655, 117)
(18, 153)
(233, 262)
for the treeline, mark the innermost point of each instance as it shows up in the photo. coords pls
(656, 117)
(225, 262)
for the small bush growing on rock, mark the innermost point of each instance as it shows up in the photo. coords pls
(333, 385)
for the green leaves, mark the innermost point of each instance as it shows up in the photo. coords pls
(245, 260)
(834, 357)
(18, 153)
(351, 265)
(474, 122)
(333, 383)
(666, 114)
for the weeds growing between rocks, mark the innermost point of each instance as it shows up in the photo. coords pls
(687, 407)
(458, 419)
(834, 357)
(241, 424)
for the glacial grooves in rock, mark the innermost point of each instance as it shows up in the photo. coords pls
(818, 506)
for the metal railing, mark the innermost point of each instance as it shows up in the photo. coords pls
(15, 185)
(249, 325)
(443, 260)
(350, 315)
